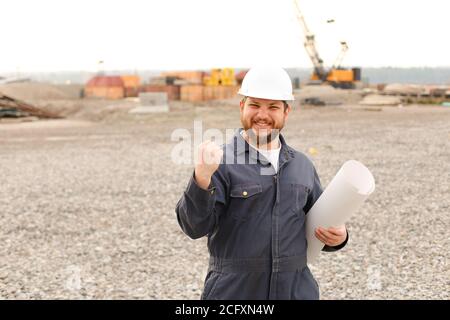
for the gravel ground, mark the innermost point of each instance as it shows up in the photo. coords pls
(87, 209)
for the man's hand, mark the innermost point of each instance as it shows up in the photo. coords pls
(209, 158)
(332, 236)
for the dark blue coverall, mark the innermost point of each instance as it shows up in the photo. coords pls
(254, 218)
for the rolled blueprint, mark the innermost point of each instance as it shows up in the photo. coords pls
(344, 195)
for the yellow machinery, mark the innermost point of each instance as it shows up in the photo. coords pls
(220, 77)
(336, 76)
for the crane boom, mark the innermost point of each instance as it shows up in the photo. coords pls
(335, 76)
(310, 45)
(344, 48)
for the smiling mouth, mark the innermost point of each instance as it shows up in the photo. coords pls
(262, 124)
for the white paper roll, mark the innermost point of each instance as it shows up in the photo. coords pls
(350, 187)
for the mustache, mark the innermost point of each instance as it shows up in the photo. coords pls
(263, 139)
(262, 120)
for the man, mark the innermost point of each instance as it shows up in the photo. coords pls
(250, 198)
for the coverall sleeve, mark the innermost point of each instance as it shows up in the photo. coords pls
(198, 210)
(314, 194)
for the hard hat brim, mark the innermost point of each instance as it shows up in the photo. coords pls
(268, 96)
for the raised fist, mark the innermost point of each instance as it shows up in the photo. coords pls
(209, 158)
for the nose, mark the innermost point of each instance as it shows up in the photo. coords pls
(263, 114)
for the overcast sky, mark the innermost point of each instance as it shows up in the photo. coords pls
(54, 35)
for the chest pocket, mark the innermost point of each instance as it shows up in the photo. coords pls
(300, 193)
(245, 201)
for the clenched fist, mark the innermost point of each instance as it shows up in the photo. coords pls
(209, 158)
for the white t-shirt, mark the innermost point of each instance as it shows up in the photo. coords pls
(272, 155)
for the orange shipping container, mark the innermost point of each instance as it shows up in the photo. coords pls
(131, 81)
(109, 87)
(131, 91)
(173, 92)
(219, 92)
(105, 92)
(195, 77)
(191, 93)
(205, 93)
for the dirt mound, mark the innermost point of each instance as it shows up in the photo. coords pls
(34, 90)
(380, 100)
(404, 89)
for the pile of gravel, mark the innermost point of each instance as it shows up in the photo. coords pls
(88, 212)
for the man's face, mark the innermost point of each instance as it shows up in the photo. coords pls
(264, 117)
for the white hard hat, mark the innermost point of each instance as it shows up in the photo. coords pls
(267, 83)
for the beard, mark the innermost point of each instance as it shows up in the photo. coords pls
(261, 137)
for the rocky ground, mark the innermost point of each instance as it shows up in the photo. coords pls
(87, 208)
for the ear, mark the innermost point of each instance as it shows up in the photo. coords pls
(286, 112)
(241, 105)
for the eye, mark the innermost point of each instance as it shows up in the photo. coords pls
(274, 107)
(254, 105)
